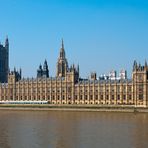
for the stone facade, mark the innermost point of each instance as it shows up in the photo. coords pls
(68, 88)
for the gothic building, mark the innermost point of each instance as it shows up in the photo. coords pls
(68, 88)
(4, 61)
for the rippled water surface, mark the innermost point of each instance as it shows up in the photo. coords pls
(57, 129)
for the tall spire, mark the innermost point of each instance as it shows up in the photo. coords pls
(62, 51)
(62, 44)
(62, 64)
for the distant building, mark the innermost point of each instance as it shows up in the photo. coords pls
(68, 88)
(93, 76)
(123, 74)
(113, 75)
(4, 61)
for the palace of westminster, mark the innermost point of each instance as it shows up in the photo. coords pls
(68, 88)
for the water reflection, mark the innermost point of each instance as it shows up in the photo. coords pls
(51, 129)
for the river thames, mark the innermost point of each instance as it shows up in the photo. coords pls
(63, 129)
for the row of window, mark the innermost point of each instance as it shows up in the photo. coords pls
(111, 103)
(81, 97)
(64, 90)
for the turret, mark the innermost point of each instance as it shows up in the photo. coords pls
(140, 72)
(14, 76)
(20, 73)
(39, 71)
(45, 70)
(135, 65)
(72, 74)
(45, 66)
(78, 68)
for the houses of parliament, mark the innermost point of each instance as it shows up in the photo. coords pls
(67, 87)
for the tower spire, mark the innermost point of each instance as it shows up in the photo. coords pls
(62, 43)
(62, 64)
(62, 51)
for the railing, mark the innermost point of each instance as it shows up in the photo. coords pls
(23, 102)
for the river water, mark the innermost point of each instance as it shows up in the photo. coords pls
(63, 129)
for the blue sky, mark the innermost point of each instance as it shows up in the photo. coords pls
(100, 35)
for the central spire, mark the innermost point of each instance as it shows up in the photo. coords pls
(62, 64)
(62, 44)
(62, 51)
